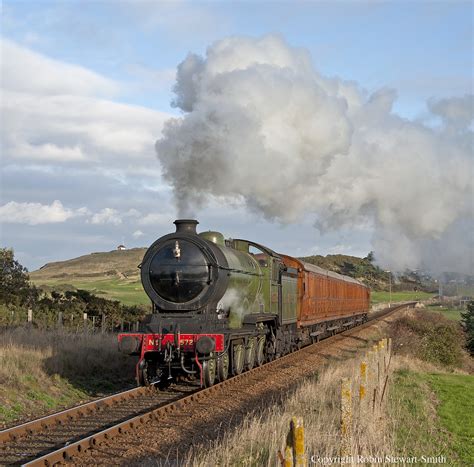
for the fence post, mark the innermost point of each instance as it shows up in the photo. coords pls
(137, 324)
(103, 323)
(298, 442)
(84, 317)
(346, 418)
(60, 319)
(30, 315)
(363, 386)
(294, 448)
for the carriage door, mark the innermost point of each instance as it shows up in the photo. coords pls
(289, 295)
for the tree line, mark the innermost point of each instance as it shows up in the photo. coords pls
(18, 295)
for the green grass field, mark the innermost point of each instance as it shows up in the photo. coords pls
(450, 313)
(435, 414)
(127, 292)
(384, 297)
(456, 411)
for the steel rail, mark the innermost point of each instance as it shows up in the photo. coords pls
(45, 422)
(79, 447)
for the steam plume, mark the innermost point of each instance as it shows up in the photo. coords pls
(262, 125)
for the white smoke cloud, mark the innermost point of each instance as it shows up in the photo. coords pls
(261, 125)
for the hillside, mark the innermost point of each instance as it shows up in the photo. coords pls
(112, 274)
(122, 264)
(358, 268)
(115, 274)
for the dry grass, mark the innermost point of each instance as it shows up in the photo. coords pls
(42, 371)
(258, 439)
(410, 422)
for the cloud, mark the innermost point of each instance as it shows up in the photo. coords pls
(156, 219)
(62, 117)
(26, 71)
(137, 234)
(263, 126)
(456, 112)
(106, 216)
(37, 213)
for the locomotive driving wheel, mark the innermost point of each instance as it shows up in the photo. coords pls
(270, 347)
(238, 359)
(250, 353)
(223, 367)
(209, 372)
(260, 353)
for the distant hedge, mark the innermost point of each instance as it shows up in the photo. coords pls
(17, 295)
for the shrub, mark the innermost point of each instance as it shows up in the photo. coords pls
(467, 320)
(429, 336)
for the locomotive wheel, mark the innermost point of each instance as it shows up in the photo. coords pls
(209, 372)
(142, 379)
(270, 348)
(250, 353)
(260, 354)
(223, 367)
(238, 359)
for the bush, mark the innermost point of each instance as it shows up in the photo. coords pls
(467, 320)
(430, 337)
(17, 295)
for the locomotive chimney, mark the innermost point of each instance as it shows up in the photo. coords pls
(186, 226)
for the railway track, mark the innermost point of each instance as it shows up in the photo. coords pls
(68, 434)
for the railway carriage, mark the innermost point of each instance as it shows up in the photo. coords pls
(220, 306)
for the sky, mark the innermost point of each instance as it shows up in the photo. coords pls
(86, 88)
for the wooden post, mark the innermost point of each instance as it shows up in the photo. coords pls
(298, 442)
(288, 462)
(60, 318)
(137, 324)
(103, 323)
(121, 325)
(30, 315)
(363, 380)
(93, 324)
(84, 317)
(346, 418)
(294, 448)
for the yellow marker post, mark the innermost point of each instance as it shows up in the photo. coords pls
(363, 380)
(294, 449)
(288, 456)
(299, 459)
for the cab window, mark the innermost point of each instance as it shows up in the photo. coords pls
(259, 255)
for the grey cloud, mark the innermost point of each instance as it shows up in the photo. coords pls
(457, 112)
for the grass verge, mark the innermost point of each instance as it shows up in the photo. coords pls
(433, 415)
(43, 371)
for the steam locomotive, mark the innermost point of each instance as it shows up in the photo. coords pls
(220, 307)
